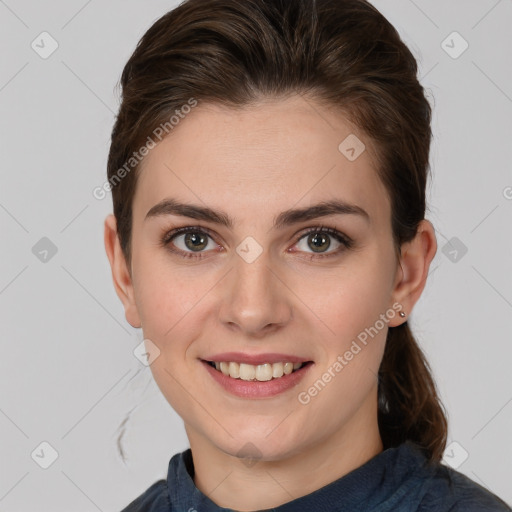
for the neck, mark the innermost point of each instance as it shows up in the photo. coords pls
(267, 484)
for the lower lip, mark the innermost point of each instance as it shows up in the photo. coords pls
(257, 389)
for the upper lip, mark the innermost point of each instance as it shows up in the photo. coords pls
(255, 359)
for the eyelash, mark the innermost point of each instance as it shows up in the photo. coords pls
(347, 242)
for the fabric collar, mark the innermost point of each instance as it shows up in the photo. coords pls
(382, 479)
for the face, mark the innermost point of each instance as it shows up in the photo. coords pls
(264, 274)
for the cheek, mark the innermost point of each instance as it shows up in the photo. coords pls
(358, 316)
(172, 313)
(166, 295)
(347, 302)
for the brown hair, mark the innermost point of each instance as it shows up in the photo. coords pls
(342, 53)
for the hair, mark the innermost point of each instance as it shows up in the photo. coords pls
(341, 53)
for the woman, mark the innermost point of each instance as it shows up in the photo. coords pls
(268, 168)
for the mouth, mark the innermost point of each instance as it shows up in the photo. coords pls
(257, 373)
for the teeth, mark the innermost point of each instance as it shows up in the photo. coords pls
(264, 372)
(234, 370)
(224, 368)
(261, 372)
(247, 371)
(277, 370)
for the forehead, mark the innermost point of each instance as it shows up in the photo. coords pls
(263, 158)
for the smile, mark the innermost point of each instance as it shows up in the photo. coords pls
(255, 376)
(261, 372)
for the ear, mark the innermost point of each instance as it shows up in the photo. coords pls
(411, 276)
(120, 273)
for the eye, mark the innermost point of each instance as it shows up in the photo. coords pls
(189, 242)
(194, 242)
(319, 239)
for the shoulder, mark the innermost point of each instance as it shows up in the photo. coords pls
(154, 499)
(157, 497)
(444, 489)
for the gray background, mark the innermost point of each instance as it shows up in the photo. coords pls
(68, 374)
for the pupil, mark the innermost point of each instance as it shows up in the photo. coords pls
(198, 241)
(319, 240)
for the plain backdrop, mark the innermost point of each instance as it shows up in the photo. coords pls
(69, 379)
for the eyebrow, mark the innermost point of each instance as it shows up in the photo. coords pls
(289, 217)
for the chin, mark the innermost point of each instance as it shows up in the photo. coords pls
(252, 451)
(263, 444)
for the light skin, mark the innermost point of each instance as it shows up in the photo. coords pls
(253, 164)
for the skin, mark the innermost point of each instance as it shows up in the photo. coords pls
(253, 164)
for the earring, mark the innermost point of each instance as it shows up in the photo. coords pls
(402, 314)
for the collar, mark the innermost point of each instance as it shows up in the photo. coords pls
(384, 478)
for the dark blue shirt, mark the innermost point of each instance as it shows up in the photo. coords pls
(398, 479)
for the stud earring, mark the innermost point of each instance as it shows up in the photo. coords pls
(402, 314)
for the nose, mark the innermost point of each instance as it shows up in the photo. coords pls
(255, 302)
